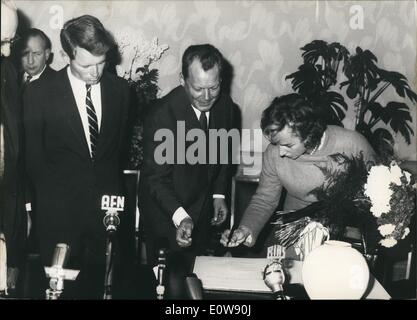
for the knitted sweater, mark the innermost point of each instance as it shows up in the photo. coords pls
(298, 177)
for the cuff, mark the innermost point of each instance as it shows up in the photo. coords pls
(219, 196)
(179, 215)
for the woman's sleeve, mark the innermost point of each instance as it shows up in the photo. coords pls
(266, 198)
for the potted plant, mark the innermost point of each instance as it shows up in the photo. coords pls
(365, 83)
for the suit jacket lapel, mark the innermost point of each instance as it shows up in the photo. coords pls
(69, 106)
(109, 116)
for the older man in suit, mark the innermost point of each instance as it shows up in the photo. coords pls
(180, 199)
(75, 131)
(35, 56)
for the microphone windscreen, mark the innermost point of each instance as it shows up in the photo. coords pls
(61, 254)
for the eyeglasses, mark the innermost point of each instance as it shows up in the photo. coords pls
(11, 41)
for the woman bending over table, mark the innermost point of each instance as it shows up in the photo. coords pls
(300, 143)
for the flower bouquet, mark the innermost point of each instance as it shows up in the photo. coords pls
(139, 54)
(392, 195)
(379, 199)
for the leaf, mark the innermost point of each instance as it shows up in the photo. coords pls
(361, 70)
(331, 105)
(314, 50)
(377, 111)
(399, 118)
(399, 82)
(382, 141)
(306, 80)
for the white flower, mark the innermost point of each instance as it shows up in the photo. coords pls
(386, 229)
(396, 174)
(378, 188)
(407, 176)
(388, 242)
(406, 232)
(136, 52)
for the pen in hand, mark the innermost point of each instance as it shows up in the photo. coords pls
(232, 230)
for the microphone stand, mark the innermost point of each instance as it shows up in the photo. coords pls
(160, 288)
(57, 273)
(111, 221)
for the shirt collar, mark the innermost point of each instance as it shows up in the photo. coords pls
(35, 77)
(198, 112)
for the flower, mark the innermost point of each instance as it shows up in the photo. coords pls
(386, 229)
(394, 218)
(388, 242)
(379, 198)
(137, 54)
(378, 188)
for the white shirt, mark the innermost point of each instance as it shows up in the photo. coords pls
(80, 92)
(35, 77)
(180, 213)
(198, 113)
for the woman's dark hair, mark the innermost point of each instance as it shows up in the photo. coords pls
(207, 54)
(296, 112)
(86, 32)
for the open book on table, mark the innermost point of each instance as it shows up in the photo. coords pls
(236, 274)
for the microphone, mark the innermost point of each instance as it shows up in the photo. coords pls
(160, 288)
(57, 273)
(274, 278)
(112, 204)
(194, 287)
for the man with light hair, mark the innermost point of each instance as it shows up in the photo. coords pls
(12, 213)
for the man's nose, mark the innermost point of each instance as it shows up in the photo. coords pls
(282, 152)
(94, 71)
(30, 58)
(207, 94)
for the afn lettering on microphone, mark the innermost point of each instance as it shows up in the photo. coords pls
(115, 203)
(212, 309)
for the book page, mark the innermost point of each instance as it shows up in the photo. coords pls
(231, 274)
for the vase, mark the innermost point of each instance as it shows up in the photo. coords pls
(335, 270)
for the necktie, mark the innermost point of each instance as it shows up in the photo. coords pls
(27, 81)
(203, 124)
(92, 121)
(203, 121)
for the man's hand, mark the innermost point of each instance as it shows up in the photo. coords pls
(220, 211)
(239, 235)
(184, 232)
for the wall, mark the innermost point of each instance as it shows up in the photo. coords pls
(261, 39)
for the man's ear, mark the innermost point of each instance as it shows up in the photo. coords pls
(182, 81)
(47, 54)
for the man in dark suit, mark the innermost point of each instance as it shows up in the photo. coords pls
(179, 199)
(12, 213)
(75, 130)
(35, 56)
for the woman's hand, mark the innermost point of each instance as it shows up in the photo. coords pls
(239, 236)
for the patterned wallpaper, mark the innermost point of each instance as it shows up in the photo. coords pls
(261, 39)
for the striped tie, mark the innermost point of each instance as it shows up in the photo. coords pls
(92, 121)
